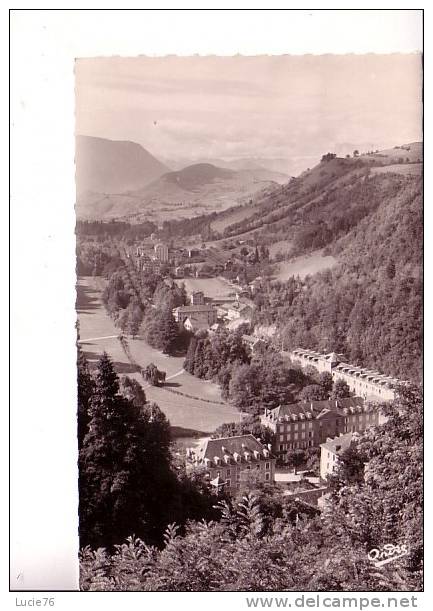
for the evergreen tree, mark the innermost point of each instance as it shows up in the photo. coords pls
(169, 331)
(125, 475)
(85, 390)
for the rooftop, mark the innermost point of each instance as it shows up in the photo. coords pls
(242, 448)
(194, 308)
(315, 409)
(340, 444)
(339, 365)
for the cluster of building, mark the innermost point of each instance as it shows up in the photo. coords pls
(228, 462)
(365, 383)
(309, 424)
(148, 261)
(207, 313)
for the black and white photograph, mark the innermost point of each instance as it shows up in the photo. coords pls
(249, 321)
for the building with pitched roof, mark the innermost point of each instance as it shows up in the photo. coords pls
(203, 314)
(330, 450)
(365, 383)
(231, 459)
(309, 424)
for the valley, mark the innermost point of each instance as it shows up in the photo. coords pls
(205, 412)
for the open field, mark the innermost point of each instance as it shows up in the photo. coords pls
(211, 287)
(283, 246)
(303, 266)
(204, 412)
(237, 215)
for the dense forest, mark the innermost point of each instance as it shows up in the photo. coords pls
(368, 307)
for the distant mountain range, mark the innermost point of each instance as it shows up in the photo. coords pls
(108, 166)
(282, 166)
(122, 179)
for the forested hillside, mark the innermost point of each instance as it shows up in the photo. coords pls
(369, 306)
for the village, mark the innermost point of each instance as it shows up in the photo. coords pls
(328, 426)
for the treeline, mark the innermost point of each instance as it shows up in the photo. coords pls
(198, 225)
(116, 229)
(138, 301)
(369, 307)
(128, 480)
(264, 542)
(97, 258)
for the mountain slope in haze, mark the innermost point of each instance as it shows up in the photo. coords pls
(192, 191)
(110, 166)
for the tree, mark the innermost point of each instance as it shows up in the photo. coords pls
(356, 153)
(124, 465)
(390, 269)
(160, 329)
(328, 157)
(133, 391)
(340, 390)
(153, 375)
(248, 425)
(85, 390)
(313, 392)
(326, 382)
(245, 388)
(295, 459)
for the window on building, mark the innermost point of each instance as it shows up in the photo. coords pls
(267, 465)
(303, 425)
(258, 466)
(228, 473)
(267, 476)
(281, 437)
(295, 426)
(229, 482)
(303, 434)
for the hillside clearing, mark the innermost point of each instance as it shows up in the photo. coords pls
(211, 287)
(304, 266)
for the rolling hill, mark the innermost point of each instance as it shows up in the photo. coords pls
(331, 193)
(194, 190)
(111, 166)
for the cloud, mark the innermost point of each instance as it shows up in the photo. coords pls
(251, 106)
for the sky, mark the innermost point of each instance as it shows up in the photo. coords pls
(291, 107)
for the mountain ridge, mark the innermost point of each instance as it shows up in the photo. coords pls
(113, 166)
